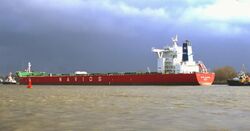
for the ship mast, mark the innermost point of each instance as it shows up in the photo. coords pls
(29, 67)
(243, 68)
(175, 39)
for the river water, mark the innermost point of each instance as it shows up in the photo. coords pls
(124, 108)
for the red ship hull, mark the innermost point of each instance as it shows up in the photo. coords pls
(123, 79)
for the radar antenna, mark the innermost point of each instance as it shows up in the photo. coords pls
(175, 39)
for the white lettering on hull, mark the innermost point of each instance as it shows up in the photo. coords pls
(205, 78)
(90, 79)
(99, 79)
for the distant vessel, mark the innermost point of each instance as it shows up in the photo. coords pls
(175, 67)
(242, 79)
(9, 80)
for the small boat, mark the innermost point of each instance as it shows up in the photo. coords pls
(9, 80)
(242, 79)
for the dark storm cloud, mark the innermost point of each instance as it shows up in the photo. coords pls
(103, 36)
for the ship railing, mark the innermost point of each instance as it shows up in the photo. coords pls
(125, 73)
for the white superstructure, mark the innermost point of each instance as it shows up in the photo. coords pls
(177, 59)
(81, 72)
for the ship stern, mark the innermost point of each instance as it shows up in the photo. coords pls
(205, 79)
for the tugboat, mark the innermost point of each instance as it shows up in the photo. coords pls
(242, 79)
(9, 79)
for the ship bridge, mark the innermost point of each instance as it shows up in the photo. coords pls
(176, 59)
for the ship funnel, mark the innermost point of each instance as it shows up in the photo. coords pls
(185, 51)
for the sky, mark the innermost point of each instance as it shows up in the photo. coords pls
(62, 36)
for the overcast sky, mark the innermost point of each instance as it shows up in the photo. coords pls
(117, 35)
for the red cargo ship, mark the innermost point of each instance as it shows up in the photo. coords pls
(123, 79)
(175, 67)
